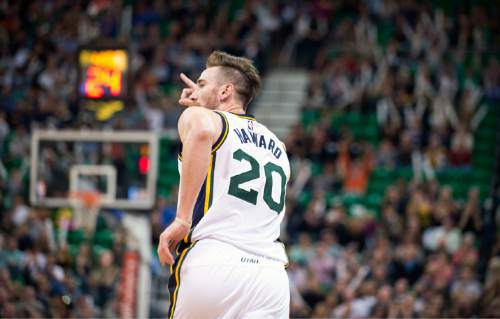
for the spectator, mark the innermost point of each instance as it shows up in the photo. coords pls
(303, 252)
(490, 305)
(381, 307)
(470, 219)
(104, 278)
(446, 236)
(465, 292)
(322, 264)
(461, 147)
(386, 155)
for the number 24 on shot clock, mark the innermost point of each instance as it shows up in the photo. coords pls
(103, 73)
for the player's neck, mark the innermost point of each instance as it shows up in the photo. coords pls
(232, 108)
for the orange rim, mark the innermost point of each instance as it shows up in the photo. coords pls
(87, 198)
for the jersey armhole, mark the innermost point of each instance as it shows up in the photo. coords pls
(223, 133)
(220, 140)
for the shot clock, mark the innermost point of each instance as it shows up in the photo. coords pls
(102, 81)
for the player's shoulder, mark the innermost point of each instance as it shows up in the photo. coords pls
(198, 116)
(194, 112)
(199, 119)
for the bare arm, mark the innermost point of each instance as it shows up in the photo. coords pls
(198, 129)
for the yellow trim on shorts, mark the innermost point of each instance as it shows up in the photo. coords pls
(177, 279)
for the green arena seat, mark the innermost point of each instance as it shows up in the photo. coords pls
(104, 238)
(76, 237)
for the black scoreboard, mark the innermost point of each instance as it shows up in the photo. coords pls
(102, 79)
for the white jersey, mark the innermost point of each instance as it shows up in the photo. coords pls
(242, 201)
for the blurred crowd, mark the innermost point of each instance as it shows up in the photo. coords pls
(429, 78)
(419, 259)
(429, 83)
(427, 73)
(41, 277)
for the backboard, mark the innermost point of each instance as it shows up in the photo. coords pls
(120, 165)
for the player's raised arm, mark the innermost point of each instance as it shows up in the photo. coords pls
(198, 130)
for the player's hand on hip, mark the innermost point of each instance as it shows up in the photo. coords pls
(169, 239)
(186, 98)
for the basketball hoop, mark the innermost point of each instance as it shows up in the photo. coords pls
(86, 206)
(88, 199)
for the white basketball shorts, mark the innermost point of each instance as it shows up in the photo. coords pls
(217, 280)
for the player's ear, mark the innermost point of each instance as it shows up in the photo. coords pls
(226, 91)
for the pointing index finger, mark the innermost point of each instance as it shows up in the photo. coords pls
(188, 81)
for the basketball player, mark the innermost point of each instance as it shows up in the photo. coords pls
(233, 174)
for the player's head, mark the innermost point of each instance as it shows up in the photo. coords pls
(227, 80)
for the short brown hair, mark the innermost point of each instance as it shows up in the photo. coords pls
(240, 71)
